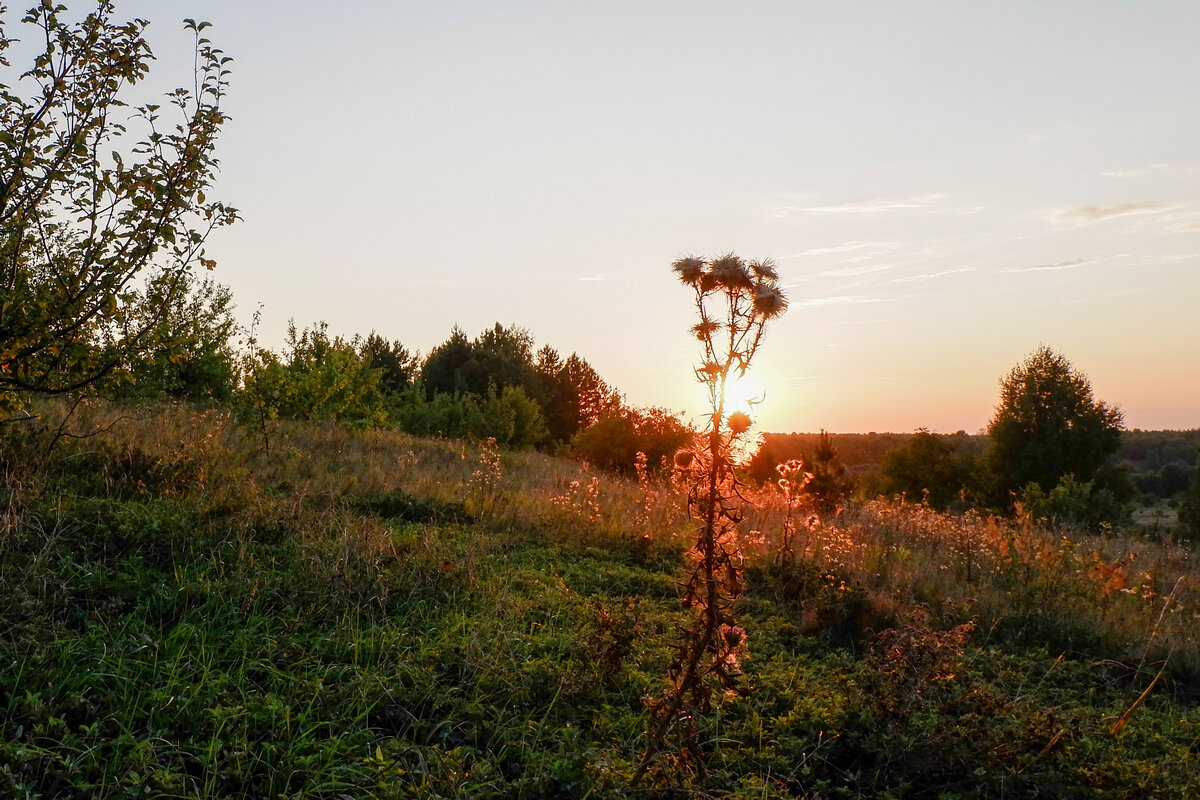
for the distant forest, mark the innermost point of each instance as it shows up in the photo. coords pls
(1161, 463)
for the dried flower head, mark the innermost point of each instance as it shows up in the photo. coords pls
(739, 422)
(769, 301)
(689, 269)
(705, 329)
(683, 459)
(764, 269)
(731, 271)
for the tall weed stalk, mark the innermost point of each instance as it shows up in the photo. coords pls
(734, 300)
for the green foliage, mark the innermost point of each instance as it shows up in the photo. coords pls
(187, 351)
(1073, 503)
(510, 416)
(397, 366)
(315, 378)
(187, 616)
(928, 469)
(513, 419)
(572, 394)
(85, 211)
(569, 394)
(613, 441)
(442, 415)
(498, 357)
(1048, 425)
(1189, 509)
(829, 485)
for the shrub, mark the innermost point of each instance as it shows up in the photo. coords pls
(1080, 504)
(613, 441)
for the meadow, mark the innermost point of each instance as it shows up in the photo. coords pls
(190, 611)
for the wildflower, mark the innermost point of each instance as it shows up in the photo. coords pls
(733, 635)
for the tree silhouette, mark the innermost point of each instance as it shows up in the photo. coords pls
(1048, 425)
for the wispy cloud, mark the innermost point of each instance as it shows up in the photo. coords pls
(840, 300)
(876, 205)
(594, 277)
(844, 247)
(1077, 262)
(1189, 226)
(1088, 214)
(1134, 173)
(798, 378)
(854, 272)
(931, 275)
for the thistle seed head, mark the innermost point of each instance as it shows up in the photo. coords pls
(689, 269)
(769, 301)
(764, 269)
(730, 271)
(739, 422)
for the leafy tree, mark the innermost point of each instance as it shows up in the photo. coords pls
(829, 485)
(316, 378)
(440, 372)
(85, 211)
(509, 416)
(512, 418)
(1049, 425)
(1189, 508)
(444, 414)
(397, 366)
(188, 352)
(572, 394)
(590, 397)
(613, 441)
(927, 469)
(498, 357)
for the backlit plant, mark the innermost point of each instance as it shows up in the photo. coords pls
(734, 300)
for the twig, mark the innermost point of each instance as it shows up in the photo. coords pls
(1124, 717)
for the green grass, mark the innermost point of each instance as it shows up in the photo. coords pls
(350, 615)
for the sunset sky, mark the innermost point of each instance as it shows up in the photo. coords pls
(944, 186)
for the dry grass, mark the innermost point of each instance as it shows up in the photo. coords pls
(1135, 599)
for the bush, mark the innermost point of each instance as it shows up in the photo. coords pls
(1074, 503)
(928, 470)
(316, 378)
(1189, 510)
(614, 441)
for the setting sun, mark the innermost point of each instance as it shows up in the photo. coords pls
(742, 394)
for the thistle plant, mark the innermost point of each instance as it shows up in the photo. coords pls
(734, 300)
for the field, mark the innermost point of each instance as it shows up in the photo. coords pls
(191, 610)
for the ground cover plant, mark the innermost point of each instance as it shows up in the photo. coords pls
(363, 613)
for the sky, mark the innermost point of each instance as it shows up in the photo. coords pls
(944, 186)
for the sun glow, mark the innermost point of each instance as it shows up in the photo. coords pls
(742, 394)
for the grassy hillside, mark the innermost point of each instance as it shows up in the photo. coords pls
(189, 611)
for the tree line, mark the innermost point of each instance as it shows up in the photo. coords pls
(1052, 452)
